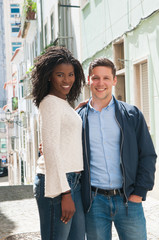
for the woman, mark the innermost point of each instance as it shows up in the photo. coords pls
(57, 81)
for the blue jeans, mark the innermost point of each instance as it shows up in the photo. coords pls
(52, 228)
(105, 210)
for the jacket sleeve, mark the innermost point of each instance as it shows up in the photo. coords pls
(147, 158)
(55, 177)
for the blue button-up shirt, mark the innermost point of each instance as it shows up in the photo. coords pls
(104, 136)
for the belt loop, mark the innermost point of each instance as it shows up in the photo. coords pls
(96, 192)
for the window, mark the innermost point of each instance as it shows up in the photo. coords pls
(13, 143)
(2, 125)
(52, 26)
(24, 139)
(84, 3)
(65, 27)
(14, 5)
(45, 32)
(141, 89)
(14, 103)
(14, 30)
(120, 88)
(14, 10)
(119, 55)
(35, 47)
(3, 145)
(22, 91)
(119, 60)
(15, 45)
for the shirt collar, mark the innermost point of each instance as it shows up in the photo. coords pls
(109, 105)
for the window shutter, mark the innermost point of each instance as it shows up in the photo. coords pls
(145, 92)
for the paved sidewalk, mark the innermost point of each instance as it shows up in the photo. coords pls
(19, 215)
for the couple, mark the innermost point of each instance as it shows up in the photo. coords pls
(85, 190)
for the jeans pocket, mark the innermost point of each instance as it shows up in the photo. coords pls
(93, 194)
(36, 187)
(69, 178)
(131, 202)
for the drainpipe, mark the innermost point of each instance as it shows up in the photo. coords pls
(41, 37)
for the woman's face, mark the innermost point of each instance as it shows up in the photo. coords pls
(62, 79)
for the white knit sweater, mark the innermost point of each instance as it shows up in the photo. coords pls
(61, 132)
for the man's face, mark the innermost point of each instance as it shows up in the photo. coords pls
(101, 81)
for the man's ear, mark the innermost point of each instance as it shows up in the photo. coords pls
(88, 80)
(115, 81)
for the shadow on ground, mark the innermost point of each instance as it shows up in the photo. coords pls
(25, 236)
(18, 192)
(6, 225)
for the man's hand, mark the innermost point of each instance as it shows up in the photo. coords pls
(67, 207)
(82, 104)
(135, 198)
(40, 149)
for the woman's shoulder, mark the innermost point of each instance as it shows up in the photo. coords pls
(53, 104)
(49, 100)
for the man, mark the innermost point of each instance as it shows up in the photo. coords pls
(119, 160)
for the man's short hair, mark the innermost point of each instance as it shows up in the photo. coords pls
(105, 62)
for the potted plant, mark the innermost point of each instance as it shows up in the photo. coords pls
(30, 9)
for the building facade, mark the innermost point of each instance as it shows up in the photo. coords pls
(2, 57)
(128, 37)
(53, 23)
(3, 140)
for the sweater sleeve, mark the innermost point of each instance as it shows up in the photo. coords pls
(55, 177)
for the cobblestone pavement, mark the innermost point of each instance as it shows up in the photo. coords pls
(19, 215)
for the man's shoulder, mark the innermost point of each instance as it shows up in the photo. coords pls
(126, 107)
(82, 109)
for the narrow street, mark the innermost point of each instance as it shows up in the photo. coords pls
(19, 214)
(123, 33)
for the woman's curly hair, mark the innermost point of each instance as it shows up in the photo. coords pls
(43, 69)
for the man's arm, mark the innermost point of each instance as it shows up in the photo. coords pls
(146, 159)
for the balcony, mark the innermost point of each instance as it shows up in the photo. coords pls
(28, 16)
(27, 88)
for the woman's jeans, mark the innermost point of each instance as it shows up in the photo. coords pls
(52, 228)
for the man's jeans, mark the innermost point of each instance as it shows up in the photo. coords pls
(105, 210)
(52, 228)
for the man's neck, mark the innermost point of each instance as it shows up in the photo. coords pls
(99, 104)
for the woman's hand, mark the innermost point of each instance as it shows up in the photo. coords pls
(82, 104)
(67, 207)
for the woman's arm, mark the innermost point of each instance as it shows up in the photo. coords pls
(81, 104)
(51, 127)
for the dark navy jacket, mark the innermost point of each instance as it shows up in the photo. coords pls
(137, 158)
